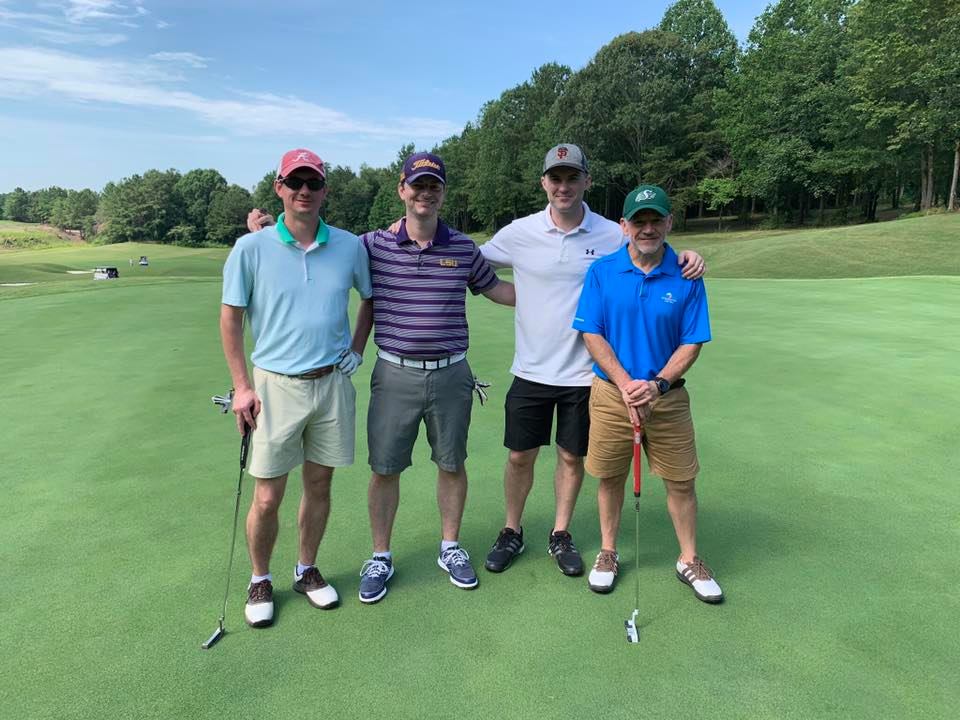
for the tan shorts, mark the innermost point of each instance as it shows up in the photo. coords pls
(667, 435)
(301, 420)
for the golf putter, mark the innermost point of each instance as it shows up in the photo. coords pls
(244, 448)
(633, 632)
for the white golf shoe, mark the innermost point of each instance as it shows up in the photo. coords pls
(319, 592)
(604, 572)
(699, 577)
(258, 611)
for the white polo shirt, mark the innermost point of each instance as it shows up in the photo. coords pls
(549, 266)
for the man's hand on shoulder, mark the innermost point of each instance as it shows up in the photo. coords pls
(395, 227)
(692, 265)
(258, 219)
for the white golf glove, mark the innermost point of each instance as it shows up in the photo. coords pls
(478, 387)
(349, 361)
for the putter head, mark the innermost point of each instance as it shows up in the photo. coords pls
(633, 634)
(215, 638)
(224, 402)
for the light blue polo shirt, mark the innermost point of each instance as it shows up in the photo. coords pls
(296, 300)
(644, 317)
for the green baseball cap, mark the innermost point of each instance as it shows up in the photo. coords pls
(646, 197)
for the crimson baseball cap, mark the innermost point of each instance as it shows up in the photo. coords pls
(565, 156)
(423, 163)
(300, 158)
(646, 197)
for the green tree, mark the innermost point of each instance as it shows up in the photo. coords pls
(16, 205)
(785, 113)
(42, 202)
(509, 149)
(76, 211)
(905, 73)
(141, 208)
(197, 188)
(265, 197)
(227, 215)
(387, 206)
(625, 109)
(709, 56)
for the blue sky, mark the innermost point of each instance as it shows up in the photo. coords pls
(97, 90)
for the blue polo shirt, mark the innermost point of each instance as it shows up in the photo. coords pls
(644, 316)
(296, 299)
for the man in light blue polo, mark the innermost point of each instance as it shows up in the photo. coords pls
(644, 325)
(293, 281)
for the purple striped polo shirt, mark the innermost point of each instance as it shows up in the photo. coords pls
(419, 295)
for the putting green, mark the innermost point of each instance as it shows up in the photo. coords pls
(828, 508)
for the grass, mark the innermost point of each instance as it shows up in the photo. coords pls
(825, 429)
(21, 236)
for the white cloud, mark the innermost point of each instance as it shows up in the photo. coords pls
(33, 72)
(76, 22)
(72, 37)
(185, 58)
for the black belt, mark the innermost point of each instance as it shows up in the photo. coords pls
(673, 386)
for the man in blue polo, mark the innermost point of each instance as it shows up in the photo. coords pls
(293, 281)
(644, 325)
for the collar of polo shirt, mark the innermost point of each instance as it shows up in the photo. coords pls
(323, 232)
(669, 265)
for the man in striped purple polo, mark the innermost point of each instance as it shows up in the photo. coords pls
(420, 277)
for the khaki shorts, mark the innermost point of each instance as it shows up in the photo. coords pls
(301, 420)
(667, 435)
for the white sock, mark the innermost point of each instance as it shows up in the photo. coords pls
(301, 569)
(254, 579)
(385, 554)
(447, 544)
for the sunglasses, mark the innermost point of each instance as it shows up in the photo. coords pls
(295, 183)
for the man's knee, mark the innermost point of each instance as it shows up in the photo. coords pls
(522, 459)
(267, 496)
(568, 459)
(686, 488)
(317, 479)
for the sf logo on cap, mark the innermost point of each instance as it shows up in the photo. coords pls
(646, 195)
(561, 153)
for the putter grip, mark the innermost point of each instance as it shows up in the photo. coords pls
(244, 446)
(637, 438)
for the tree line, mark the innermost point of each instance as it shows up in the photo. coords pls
(836, 105)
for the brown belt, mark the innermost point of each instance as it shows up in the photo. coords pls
(315, 374)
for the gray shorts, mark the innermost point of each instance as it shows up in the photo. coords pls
(402, 397)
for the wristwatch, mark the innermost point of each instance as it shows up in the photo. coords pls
(662, 384)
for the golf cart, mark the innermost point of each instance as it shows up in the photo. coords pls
(143, 260)
(105, 273)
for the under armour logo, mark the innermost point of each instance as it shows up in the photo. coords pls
(646, 195)
(591, 251)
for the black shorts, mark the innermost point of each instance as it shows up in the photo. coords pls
(528, 420)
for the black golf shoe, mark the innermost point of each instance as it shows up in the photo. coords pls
(509, 544)
(565, 553)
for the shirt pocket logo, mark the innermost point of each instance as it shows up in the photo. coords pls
(448, 262)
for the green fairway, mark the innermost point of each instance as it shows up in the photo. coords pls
(827, 432)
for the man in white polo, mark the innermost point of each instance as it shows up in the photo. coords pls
(293, 281)
(550, 252)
